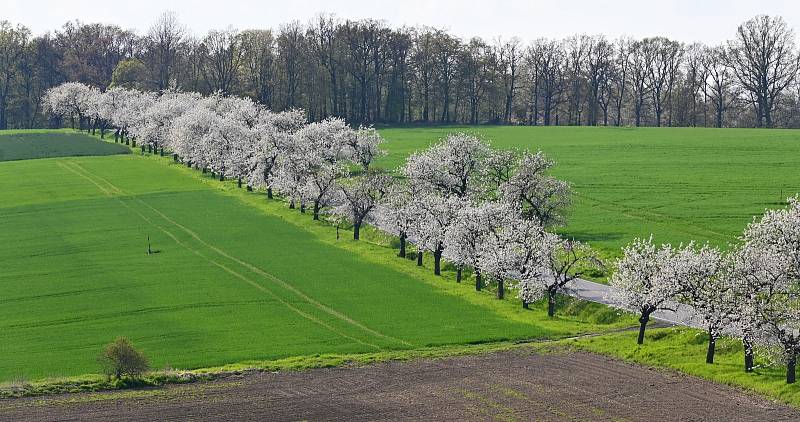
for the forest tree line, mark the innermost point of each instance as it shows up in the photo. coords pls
(370, 73)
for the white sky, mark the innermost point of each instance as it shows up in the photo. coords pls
(709, 21)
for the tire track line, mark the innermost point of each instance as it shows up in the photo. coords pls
(64, 166)
(282, 283)
(279, 281)
(217, 264)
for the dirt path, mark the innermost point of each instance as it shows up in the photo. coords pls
(514, 385)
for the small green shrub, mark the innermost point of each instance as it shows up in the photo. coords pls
(120, 359)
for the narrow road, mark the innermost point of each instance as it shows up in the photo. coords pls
(600, 293)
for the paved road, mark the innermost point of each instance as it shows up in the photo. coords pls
(600, 293)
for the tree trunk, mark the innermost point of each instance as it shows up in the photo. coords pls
(356, 231)
(525, 304)
(437, 261)
(269, 192)
(478, 280)
(790, 368)
(303, 207)
(161, 151)
(402, 253)
(175, 157)
(748, 354)
(712, 343)
(419, 256)
(316, 210)
(239, 182)
(501, 288)
(458, 275)
(221, 177)
(551, 303)
(642, 325)
(249, 188)
(291, 204)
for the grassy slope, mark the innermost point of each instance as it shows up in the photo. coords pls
(684, 349)
(28, 144)
(237, 278)
(679, 184)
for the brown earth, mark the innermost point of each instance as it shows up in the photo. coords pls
(512, 385)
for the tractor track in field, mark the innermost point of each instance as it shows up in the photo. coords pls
(111, 190)
(513, 385)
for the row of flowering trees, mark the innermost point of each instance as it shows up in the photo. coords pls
(488, 210)
(483, 210)
(480, 209)
(751, 291)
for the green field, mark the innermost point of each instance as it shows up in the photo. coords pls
(235, 277)
(29, 144)
(679, 184)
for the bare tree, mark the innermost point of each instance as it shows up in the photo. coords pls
(12, 46)
(532, 70)
(696, 83)
(622, 63)
(720, 82)
(508, 61)
(325, 45)
(446, 49)
(551, 66)
(577, 48)
(258, 60)
(291, 45)
(641, 61)
(163, 42)
(764, 61)
(223, 56)
(598, 66)
(665, 60)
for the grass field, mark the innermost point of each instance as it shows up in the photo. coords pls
(235, 277)
(29, 144)
(679, 184)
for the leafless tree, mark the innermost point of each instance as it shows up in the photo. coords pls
(721, 88)
(223, 56)
(622, 62)
(258, 60)
(509, 58)
(163, 42)
(764, 61)
(640, 64)
(12, 46)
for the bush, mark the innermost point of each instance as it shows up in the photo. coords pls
(120, 359)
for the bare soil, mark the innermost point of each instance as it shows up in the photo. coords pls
(512, 385)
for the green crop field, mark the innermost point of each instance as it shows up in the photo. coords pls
(234, 278)
(679, 184)
(28, 144)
